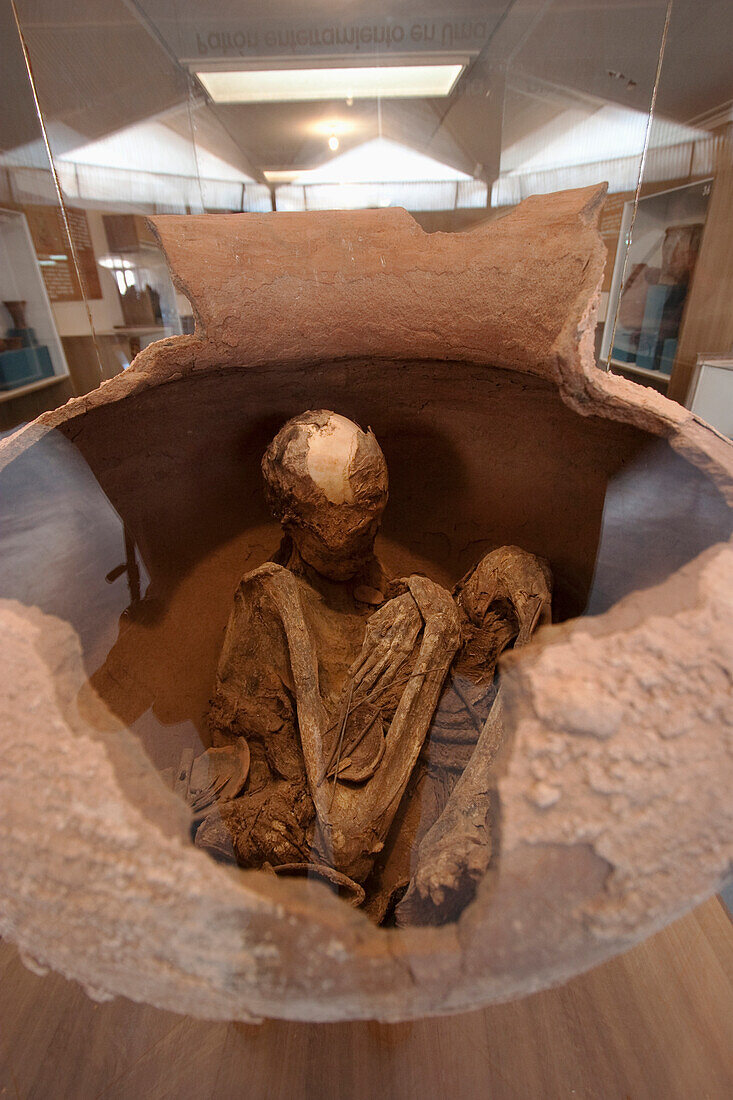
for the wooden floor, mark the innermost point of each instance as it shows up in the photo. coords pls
(657, 1023)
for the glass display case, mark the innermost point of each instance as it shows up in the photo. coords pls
(656, 271)
(146, 295)
(31, 356)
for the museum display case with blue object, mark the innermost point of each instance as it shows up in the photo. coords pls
(649, 291)
(31, 354)
(22, 358)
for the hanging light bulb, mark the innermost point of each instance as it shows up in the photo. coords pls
(333, 143)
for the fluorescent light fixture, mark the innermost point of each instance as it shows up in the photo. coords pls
(324, 127)
(285, 175)
(291, 85)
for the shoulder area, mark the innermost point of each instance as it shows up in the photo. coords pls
(266, 575)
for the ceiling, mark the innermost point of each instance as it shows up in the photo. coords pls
(102, 65)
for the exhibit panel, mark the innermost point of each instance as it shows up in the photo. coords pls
(365, 600)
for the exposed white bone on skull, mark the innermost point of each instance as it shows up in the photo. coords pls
(330, 454)
(326, 481)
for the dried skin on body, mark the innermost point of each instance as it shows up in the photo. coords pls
(351, 690)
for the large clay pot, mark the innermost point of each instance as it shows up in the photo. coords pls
(471, 357)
